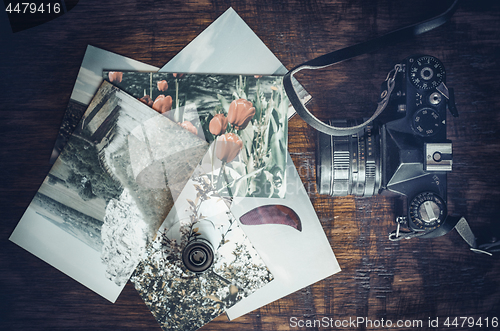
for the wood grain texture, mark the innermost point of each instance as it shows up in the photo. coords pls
(415, 279)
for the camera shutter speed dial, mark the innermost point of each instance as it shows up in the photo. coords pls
(426, 72)
(427, 211)
(427, 122)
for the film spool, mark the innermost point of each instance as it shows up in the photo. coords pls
(198, 255)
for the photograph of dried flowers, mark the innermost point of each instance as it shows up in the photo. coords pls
(245, 115)
(200, 263)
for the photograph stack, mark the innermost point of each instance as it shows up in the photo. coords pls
(179, 180)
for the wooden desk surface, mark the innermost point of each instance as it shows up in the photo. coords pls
(407, 280)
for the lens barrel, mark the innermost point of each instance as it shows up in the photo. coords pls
(349, 165)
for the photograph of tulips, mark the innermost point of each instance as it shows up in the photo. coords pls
(109, 191)
(246, 117)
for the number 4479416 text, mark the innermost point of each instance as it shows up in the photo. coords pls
(32, 8)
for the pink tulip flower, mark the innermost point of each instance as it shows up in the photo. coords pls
(240, 113)
(162, 103)
(115, 76)
(146, 100)
(162, 85)
(189, 126)
(228, 146)
(218, 124)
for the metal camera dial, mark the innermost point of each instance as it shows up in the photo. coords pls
(426, 122)
(426, 72)
(427, 211)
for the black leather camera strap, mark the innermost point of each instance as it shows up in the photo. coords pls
(459, 223)
(348, 53)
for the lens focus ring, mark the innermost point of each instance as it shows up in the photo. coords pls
(350, 164)
(341, 171)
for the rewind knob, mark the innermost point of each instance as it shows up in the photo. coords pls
(427, 211)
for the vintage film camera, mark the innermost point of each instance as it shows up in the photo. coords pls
(401, 149)
(403, 152)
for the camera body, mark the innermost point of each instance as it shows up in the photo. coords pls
(403, 152)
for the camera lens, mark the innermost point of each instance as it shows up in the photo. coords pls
(349, 165)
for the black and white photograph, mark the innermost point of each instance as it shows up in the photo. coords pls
(108, 192)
